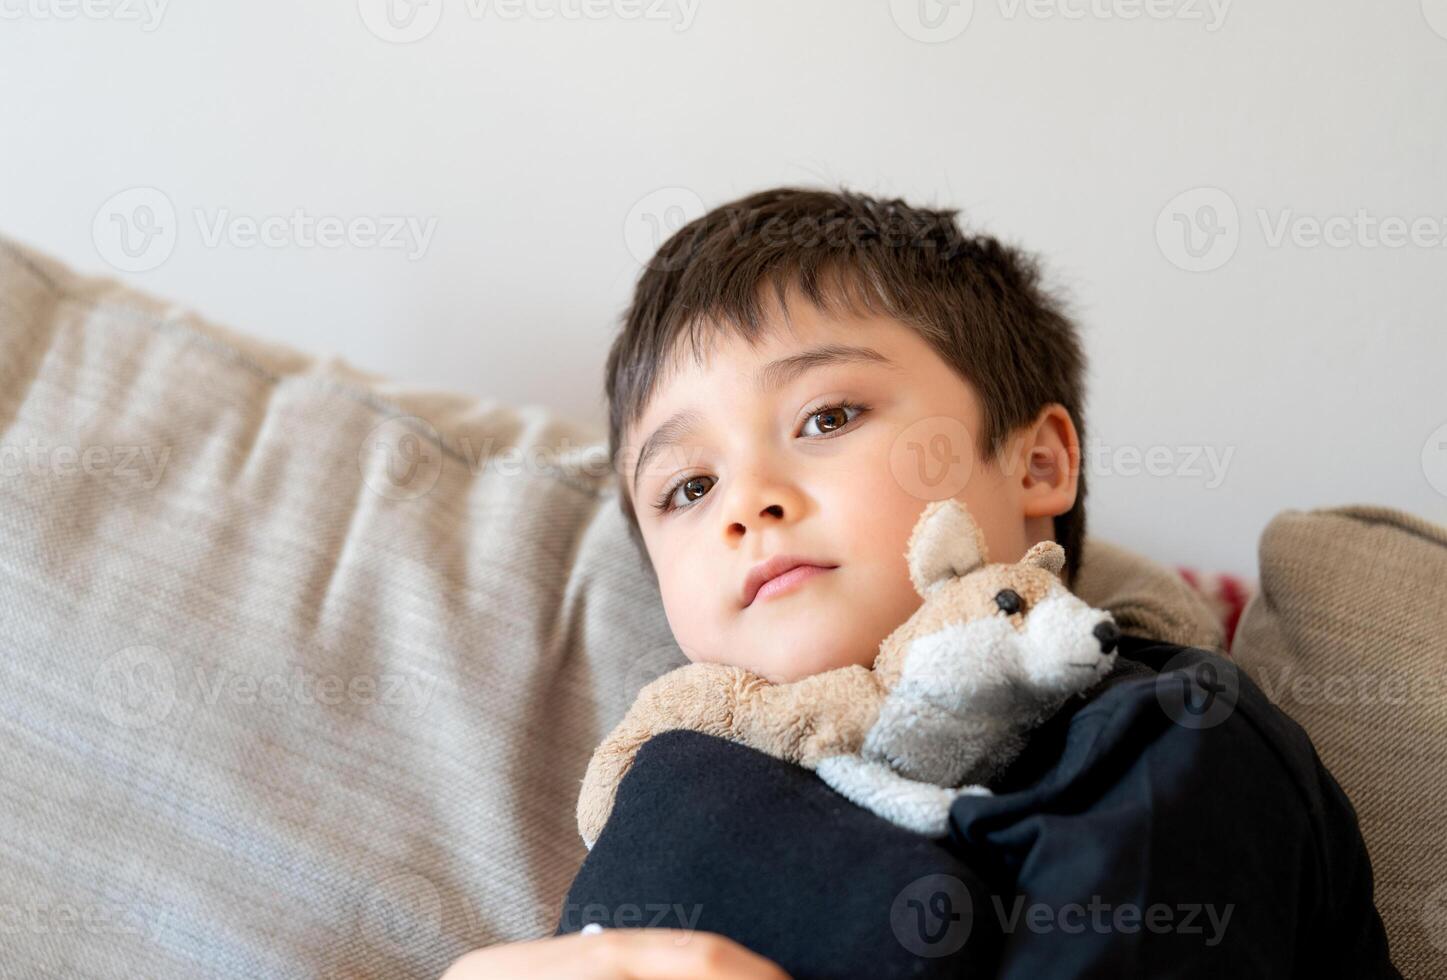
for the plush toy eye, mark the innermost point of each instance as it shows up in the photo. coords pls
(1009, 601)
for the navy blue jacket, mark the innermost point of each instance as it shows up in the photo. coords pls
(1170, 823)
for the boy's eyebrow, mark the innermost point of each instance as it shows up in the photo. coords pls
(770, 377)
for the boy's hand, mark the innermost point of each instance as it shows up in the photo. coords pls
(618, 954)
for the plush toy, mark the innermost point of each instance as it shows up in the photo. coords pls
(993, 651)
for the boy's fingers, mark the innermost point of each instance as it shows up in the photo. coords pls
(618, 954)
(677, 954)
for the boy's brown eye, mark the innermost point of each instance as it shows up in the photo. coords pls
(698, 484)
(831, 418)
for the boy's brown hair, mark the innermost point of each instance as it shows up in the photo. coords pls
(977, 302)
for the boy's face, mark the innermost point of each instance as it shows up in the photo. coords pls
(783, 463)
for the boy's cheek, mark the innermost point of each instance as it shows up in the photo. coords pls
(874, 512)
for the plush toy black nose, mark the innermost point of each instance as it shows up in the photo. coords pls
(1107, 634)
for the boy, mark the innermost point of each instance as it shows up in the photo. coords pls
(798, 374)
(816, 431)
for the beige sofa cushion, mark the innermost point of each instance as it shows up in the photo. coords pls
(1348, 635)
(302, 668)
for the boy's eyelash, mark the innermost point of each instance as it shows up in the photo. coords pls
(664, 502)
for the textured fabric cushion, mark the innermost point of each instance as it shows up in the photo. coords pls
(299, 669)
(1145, 598)
(1348, 635)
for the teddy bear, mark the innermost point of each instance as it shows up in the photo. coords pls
(992, 651)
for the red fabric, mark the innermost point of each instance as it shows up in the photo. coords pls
(1226, 594)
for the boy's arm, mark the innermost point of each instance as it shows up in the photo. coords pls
(1177, 824)
(710, 835)
(1152, 831)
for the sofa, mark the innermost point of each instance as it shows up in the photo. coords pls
(303, 666)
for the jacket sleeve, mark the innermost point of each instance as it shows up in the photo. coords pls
(1186, 828)
(710, 835)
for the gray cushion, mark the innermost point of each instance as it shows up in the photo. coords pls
(301, 668)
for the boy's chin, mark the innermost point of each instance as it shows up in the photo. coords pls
(787, 661)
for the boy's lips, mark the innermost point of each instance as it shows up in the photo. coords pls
(779, 574)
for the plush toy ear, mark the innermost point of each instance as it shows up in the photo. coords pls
(945, 543)
(1047, 554)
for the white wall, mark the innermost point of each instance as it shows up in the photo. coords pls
(537, 144)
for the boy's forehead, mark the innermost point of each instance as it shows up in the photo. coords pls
(760, 365)
(800, 331)
(788, 322)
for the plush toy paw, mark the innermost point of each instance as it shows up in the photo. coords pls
(702, 697)
(921, 807)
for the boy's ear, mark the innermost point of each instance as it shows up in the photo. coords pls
(945, 543)
(1050, 449)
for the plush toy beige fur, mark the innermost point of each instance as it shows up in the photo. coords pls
(993, 651)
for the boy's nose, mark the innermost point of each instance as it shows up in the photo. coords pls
(1107, 633)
